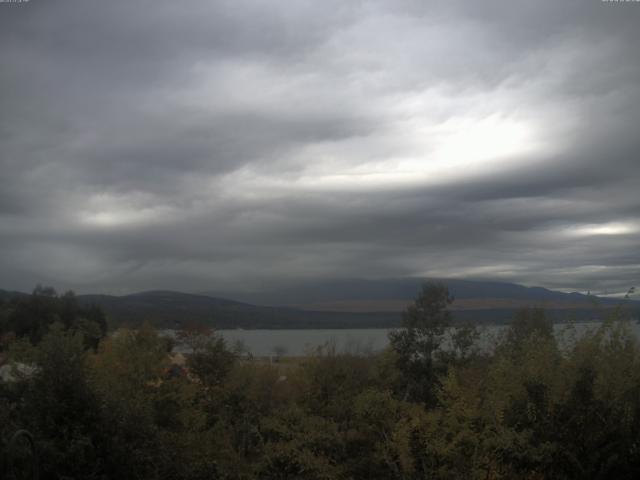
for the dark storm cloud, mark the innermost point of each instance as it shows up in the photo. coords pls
(219, 145)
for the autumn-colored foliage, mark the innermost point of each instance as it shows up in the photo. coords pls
(535, 406)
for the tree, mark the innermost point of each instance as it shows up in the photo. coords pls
(32, 316)
(59, 407)
(527, 322)
(417, 343)
(210, 359)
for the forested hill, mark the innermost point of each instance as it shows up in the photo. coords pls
(168, 309)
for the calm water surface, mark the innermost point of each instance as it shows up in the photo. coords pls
(302, 342)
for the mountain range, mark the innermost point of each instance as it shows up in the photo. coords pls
(342, 304)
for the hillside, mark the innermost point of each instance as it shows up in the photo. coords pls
(169, 309)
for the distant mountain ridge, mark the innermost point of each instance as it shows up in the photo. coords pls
(168, 309)
(475, 300)
(406, 289)
(341, 304)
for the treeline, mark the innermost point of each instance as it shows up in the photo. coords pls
(535, 407)
(31, 316)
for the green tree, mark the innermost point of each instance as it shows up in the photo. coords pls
(418, 342)
(32, 316)
(60, 408)
(527, 322)
(209, 359)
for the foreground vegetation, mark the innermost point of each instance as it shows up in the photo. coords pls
(114, 407)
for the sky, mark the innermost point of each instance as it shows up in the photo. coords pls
(209, 145)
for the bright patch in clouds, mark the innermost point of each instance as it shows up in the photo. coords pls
(425, 153)
(613, 228)
(109, 211)
(493, 139)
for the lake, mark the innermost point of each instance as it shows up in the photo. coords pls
(302, 342)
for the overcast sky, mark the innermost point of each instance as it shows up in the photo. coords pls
(234, 144)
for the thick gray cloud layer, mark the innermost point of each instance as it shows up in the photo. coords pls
(223, 145)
